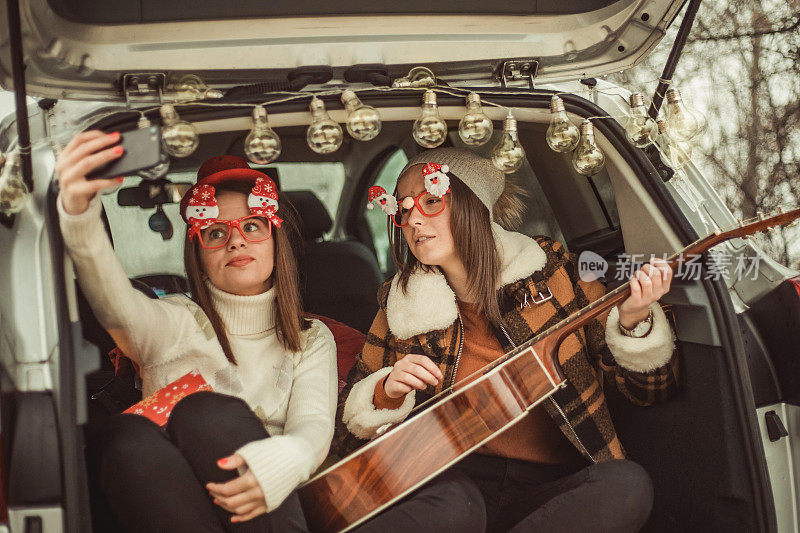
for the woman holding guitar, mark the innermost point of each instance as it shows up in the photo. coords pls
(467, 291)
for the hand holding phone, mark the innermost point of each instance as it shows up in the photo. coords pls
(141, 150)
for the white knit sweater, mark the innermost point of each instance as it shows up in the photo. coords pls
(294, 394)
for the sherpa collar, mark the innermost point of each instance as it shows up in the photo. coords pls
(429, 304)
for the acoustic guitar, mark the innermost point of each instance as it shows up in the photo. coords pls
(462, 418)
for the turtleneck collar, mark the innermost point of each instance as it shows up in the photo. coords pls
(244, 315)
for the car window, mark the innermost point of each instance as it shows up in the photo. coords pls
(325, 180)
(142, 251)
(376, 218)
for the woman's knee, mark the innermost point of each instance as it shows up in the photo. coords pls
(205, 413)
(125, 444)
(462, 502)
(126, 434)
(631, 489)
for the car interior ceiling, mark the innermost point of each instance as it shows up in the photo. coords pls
(673, 441)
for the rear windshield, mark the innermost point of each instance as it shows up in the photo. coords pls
(143, 252)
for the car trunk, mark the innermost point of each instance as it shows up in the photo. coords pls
(99, 51)
(713, 417)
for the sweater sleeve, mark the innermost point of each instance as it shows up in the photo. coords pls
(151, 328)
(281, 462)
(644, 369)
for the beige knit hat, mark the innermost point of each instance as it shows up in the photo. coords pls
(489, 184)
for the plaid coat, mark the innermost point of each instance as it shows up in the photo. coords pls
(425, 321)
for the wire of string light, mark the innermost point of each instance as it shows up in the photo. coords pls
(451, 91)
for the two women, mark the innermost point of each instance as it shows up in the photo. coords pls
(227, 460)
(467, 291)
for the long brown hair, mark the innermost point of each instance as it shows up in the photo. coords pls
(289, 322)
(470, 224)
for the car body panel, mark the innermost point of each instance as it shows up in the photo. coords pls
(67, 59)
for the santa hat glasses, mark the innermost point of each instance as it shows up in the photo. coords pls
(200, 210)
(430, 203)
(253, 228)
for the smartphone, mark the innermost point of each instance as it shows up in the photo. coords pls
(142, 150)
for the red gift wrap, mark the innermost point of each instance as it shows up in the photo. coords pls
(158, 406)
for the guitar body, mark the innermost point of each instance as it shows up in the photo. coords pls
(410, 454)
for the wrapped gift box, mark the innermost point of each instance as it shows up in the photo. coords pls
(158, 406)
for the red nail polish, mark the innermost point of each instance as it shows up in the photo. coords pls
(223, 461)
(118, 150)
(114, 135)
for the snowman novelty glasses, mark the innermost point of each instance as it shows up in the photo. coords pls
(428, 204)
(200, 210)
(253, 228)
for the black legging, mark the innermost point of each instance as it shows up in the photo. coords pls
(613, 496)
(154, 479)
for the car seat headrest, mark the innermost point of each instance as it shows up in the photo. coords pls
(314, 218)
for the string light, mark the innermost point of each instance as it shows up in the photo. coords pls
(509, 155)
(640, 128)
(416, 77)
(684, 122)
(475, 128)
(262, 145)
(13, 191)
(562, 135)
(191, 87)
(324, 135)
(423, 78)
(675, 154)
(180, 138)
(363, 121)
(588, 159)
(429, 129)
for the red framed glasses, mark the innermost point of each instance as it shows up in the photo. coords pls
(428, 204)
(253, 228)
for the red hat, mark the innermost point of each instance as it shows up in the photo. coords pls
(220, 169)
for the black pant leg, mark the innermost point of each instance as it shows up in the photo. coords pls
(148, 484)
(207, 426)
(450, 502)
(613, 496)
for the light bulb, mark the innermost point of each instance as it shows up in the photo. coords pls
(262, 145)
(429, 129)
(180, 138)
(640, 129)
(683, 121)
(416, 77)
(508, 155)
(562, 135)
(675, 154)
(13, 191)
(158, 171)
(475, 128)
(324, 135)
(588, 159)
(363, 121)
(191, 87)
